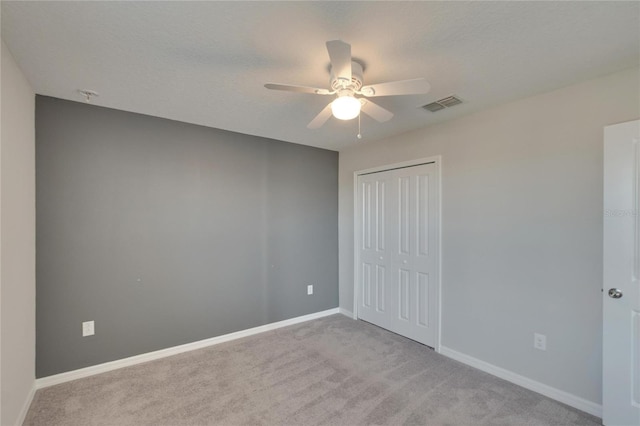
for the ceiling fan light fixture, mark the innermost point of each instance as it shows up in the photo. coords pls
(346, 81)
(345, 107)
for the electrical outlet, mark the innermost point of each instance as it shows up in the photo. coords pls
(88, 328)
(540, 341)
(310, 289)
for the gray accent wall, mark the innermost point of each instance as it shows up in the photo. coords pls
(166, 233)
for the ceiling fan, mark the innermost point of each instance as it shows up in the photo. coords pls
(346, 82)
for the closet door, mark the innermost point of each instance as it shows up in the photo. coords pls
(374, 266)
(413, 260)
(398, 255)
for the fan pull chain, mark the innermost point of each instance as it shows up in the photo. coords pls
(359, 135)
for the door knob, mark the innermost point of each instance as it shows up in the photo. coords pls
(615, 293)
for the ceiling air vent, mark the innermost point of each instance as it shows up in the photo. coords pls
(443, 103)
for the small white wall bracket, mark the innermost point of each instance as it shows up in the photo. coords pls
(88, 94)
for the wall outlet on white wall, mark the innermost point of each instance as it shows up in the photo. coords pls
(310, 289)
(88, 328)
(540, 341)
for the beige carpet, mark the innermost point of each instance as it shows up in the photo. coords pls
(331, 371)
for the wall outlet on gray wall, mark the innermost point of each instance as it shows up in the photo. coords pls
(310, 289)
(540, 341)
(88, 328)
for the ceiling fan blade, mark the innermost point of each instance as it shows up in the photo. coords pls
(375, 111)
(298, 89)
(405, 87)
(340, 55)
(321, 118)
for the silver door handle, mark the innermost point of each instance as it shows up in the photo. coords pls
(615, 293)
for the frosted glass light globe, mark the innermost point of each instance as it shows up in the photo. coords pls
(345, 108)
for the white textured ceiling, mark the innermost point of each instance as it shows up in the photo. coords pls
(206, 62)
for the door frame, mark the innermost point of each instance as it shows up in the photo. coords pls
(437, 160)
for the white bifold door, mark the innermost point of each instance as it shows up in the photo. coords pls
(397, 220)
(621, 295)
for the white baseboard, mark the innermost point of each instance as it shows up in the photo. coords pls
(162, 353)
(26, 405)
(347, 313)
(551, 392)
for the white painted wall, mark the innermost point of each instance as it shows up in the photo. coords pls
(522, 227)
(17, 248)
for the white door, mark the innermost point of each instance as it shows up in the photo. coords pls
(374, 211)
(398, 253)
(621, 295)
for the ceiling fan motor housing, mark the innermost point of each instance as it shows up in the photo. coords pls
(356, 79)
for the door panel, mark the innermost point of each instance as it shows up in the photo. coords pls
(404, 295)
(422, 205)
(381, 296)
(404, 212)
(621, 290)
(367, 229)
(422, 299)
(381, 216)
(401, 205)
(366, 285)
